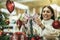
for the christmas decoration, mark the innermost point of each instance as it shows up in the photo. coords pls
(10, 5)
(3, 17)
(3, 35)
(1, 32)
(33, 38)
(30, 36)
(19, 36)
(38, 38)
(7, 22)
(56, 24)
(19, 23)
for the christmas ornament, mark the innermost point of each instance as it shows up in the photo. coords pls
(33, 38)
(7, 22)
(10, 5)
(14, 37)
(19, 36)
(1, 30)
(1, 33)
(19, 23)
(38, 38)
(56, 24)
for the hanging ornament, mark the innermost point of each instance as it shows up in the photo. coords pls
(1, 30)
(56, 24)
(32, 38)
(19, 36)
(38, 38)
(19, 23)
(7, 22)
(1, 33)
(10, 6)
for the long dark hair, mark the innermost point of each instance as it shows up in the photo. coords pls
(52, 11)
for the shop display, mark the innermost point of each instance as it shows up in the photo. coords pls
(19, 22)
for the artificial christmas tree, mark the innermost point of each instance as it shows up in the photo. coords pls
(3, 17)
(3, 35)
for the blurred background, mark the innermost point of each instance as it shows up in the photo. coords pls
(32, 5)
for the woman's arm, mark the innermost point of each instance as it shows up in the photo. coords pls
(48, 28)
(38, 21)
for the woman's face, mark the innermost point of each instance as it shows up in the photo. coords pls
(46, 14)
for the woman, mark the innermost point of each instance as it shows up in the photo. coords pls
(47, 16)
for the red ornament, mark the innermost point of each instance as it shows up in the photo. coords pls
(19, 36)
(33, 38)
(19, 23)
(18, 33)
(38, 38)
(56, 24)
(14, 37)
(10, 5)
(1, 33)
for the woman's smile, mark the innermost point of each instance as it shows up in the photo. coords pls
(46, 14)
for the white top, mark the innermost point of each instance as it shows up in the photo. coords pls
(48, 28)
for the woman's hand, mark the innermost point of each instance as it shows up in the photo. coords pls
(38, 21)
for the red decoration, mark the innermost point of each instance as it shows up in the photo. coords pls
(33, 38)
(1, 33)
(19, 36)
(36, 38)
(10, 5)
(56, 24)
(19, 23)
